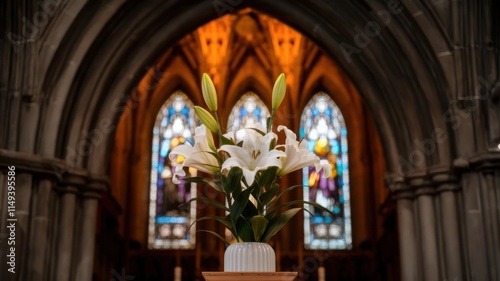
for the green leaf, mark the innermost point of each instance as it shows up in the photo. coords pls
(250, 211)
(224, 220)
(216, 155)
(201, 180)
(207, 201)
(277, 223)
(213, 233)
(232, 183)
(271, 213)
(267, 176)
(245, 232)
(259, 224)
(195, 179)
(272, 145)
(267, 196)
(239, 204)
(258, 131)
(225, 140)
(283, 193)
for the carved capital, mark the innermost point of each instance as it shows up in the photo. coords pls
(421, 184)
(443, 174)
(486, 162)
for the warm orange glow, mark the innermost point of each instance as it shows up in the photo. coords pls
(286, 45)
(214, 41)
(215, 38)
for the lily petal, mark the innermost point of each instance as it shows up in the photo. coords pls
(254, 155)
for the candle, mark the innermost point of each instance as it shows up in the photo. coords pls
(321, 273)
(177, 273)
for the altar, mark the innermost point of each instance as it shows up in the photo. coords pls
(249, 276)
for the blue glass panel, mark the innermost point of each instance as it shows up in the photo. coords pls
(247, 111)
(323, 127)
(169, 222)
(162, 219)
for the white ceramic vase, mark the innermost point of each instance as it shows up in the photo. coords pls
(249, 257)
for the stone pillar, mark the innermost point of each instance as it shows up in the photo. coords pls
(491, 221)
(46, 248)
(4, 232)
(474, 229)
(86, 239)
(407, 244)
(65, 233)
(492, 192)
(24, 188)
(447, 188)
(481, 201)
(428, 231)
(407, 238)
(39, 230)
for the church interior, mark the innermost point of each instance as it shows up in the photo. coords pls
(401, 98)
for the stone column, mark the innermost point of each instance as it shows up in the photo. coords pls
(474, 229)
(46, 248)
(407, 238)
(493, 196)
(65, 233)
(491, 221)
(4, 232)
(86, 240)
(427, 229)
(39, 230)
(24, 187)
(447, 188)
(409, 255)
(482, 217)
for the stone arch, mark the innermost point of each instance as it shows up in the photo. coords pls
(117, 79)
(408, 75)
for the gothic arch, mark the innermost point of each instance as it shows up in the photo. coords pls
(409, 74)
(126, 67)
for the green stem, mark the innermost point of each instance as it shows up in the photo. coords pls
(270, 125)
(234, 230)
(219, 133)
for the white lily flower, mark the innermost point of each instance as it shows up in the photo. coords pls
(254, 155)
(200, 156)
(202, 135)
(234, 134)
(298, 156)
(291, 137)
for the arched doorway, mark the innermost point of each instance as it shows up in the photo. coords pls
(433, 101)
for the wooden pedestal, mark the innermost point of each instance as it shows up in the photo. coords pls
(249, 276)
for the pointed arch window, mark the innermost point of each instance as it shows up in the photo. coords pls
(248, 111)
(169, 223)
(322, 126)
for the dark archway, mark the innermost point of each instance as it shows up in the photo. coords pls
(407, 60)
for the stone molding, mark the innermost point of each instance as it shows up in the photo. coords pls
(69, 179)
(438, 179)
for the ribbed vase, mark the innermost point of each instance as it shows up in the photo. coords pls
(249, 257)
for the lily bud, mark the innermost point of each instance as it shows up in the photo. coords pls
(207, 119)
(209, 93)
(279, 91)
(210, 141)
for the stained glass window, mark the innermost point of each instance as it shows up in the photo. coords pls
(323, 127)
(168, 221)
(248, 111)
